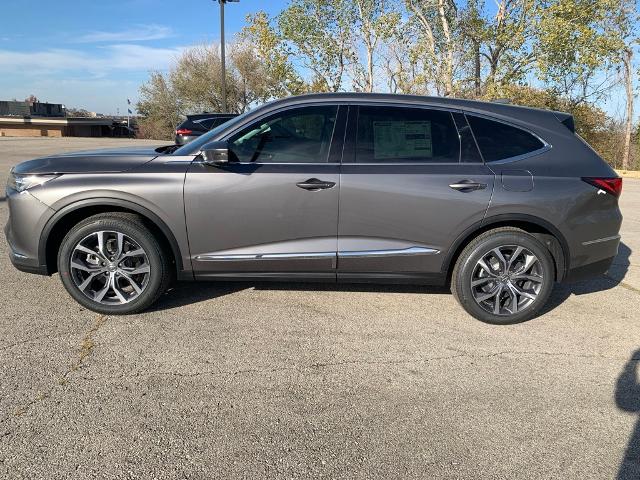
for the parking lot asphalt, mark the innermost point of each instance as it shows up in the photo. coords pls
(305, 381)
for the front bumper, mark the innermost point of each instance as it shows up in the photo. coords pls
(27, 217)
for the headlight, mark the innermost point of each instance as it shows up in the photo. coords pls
(20, 183)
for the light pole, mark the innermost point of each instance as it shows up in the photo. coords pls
(222, 54)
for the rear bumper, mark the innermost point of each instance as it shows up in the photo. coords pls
(591, 270)
(184, 139)
(593, 258)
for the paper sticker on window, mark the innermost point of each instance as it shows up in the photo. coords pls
(402, 139)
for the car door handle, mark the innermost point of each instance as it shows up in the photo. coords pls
(313, 184)
(468, 186)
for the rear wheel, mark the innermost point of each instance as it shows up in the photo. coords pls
(112, 264)
(504, 276)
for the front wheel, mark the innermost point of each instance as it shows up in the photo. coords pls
(504, 276)
(113, 264)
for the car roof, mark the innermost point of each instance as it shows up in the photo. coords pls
(198, 116)
(500, 109)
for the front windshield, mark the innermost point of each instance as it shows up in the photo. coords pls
(196, 145)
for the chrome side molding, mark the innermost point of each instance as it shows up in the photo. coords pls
(265, 256)
(316, 255)
(600, 240)
(394, 252)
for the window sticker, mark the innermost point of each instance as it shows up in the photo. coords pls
(402, 139)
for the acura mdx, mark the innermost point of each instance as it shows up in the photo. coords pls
(497, 201)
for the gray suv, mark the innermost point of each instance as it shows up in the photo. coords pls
(496, 200)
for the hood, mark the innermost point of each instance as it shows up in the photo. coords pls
(93, 161)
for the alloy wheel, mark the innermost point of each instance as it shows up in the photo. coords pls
(507, 280)
(110, 267)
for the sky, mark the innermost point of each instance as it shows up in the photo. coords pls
(94, 54)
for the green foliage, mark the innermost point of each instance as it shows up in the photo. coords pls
(275, 69)
(318, 33)
(158, 107)
(574, 44)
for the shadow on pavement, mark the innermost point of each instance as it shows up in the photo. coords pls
(628, 400)
(616, 274)
(186, 293)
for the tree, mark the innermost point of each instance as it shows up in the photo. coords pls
(159, 107)
(79, 113)
(623, 25)
(277, 74)
(576, 48)
(193, 84)
(436, 22)
(318, 34)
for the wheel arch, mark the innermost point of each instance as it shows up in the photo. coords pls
(60, 223)
(541, 229)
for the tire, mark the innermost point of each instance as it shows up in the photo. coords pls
(104, 256)
(480, 272)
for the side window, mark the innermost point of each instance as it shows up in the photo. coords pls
(498, 141)
(300, 135)
(208, 123)
(403, 135)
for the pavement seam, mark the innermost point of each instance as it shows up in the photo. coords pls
(86, 347)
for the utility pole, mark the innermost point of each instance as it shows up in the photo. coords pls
(222, 54)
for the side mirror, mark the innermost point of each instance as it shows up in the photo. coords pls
(215, 153)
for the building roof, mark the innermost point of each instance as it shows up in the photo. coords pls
(55, 121)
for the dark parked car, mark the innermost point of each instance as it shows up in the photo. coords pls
(198, 124)
(497, 200)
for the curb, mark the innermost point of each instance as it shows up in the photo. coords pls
(629, 173)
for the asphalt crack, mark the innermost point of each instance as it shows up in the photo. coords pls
(10, 345)
(622, 284)
(355, 362)
(86, 347)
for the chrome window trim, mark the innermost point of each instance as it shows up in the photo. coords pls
(333, 164)
(517, 158)
(417, 164)
(546, 146)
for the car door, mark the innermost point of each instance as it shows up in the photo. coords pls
(412, 181)
(273, 209)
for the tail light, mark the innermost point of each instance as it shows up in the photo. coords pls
(183, 131)
(609, 185)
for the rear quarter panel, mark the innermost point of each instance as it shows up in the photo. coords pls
(560, 197)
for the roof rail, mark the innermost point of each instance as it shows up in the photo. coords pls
(501, 100)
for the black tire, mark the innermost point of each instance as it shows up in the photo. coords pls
(156, 280)
(467, 269)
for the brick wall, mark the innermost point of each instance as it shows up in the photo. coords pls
(31, 131)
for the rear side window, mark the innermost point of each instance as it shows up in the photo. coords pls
(498, 141)
(208, 123)
(405, 135)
